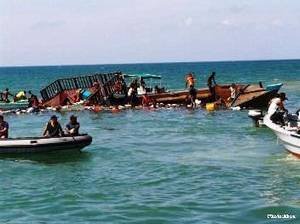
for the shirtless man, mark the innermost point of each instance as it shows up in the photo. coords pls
(6, 94)
(189, 80)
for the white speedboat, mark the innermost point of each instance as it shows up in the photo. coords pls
(43, 144)
(287, 135)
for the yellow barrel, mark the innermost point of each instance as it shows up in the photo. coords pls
(211, 106)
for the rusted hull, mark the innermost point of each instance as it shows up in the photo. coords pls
(260, 101)
(179, 97)
(249, 96)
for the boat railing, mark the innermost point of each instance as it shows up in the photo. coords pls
(106, 90)
(80, 82)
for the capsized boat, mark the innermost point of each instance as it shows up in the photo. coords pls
(286, 134)
(249, 96)
(253, 96)
(44, 144)
(111, 91)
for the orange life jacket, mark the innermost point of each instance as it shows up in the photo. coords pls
(190, 80)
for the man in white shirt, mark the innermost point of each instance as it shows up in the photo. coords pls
(276, 109)
(232, 89)
(274, 105)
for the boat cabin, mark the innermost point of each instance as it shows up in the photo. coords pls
(146, 83)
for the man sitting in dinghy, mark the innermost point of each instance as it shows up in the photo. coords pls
(72, 128)
(3, 128)
(53, 128)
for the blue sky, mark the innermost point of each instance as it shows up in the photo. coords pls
(35, 32)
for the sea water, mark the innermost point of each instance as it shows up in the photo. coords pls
(155, 166)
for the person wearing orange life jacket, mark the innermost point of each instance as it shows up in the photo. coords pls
(189, 80)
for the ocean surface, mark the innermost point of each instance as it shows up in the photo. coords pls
(162, 166)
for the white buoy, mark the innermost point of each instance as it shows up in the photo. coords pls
(198, 102)
(235, 108)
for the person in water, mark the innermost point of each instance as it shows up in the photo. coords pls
(276, 109)
(132, 95)
(72, 128)
(20, 96)
(31, 95)
(33, 100)
(5, 95)
(147, 101)
(3, 128)
(211, 83)
(190, 80)
(53, 128)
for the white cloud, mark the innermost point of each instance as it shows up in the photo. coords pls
(47, 24)
(226, 22)
(277, 22)
(188, 21)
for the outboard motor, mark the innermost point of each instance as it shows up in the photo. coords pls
(292, 119)
(257, 117)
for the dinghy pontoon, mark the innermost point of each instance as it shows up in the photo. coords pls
(44, 144)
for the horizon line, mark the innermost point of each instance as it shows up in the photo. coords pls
(163, 62)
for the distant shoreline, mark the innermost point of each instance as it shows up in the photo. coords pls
(151, 63)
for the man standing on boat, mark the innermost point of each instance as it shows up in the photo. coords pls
(3, 128)
(233, 94)
(193, 96)
(211, 83)
(190, 80)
